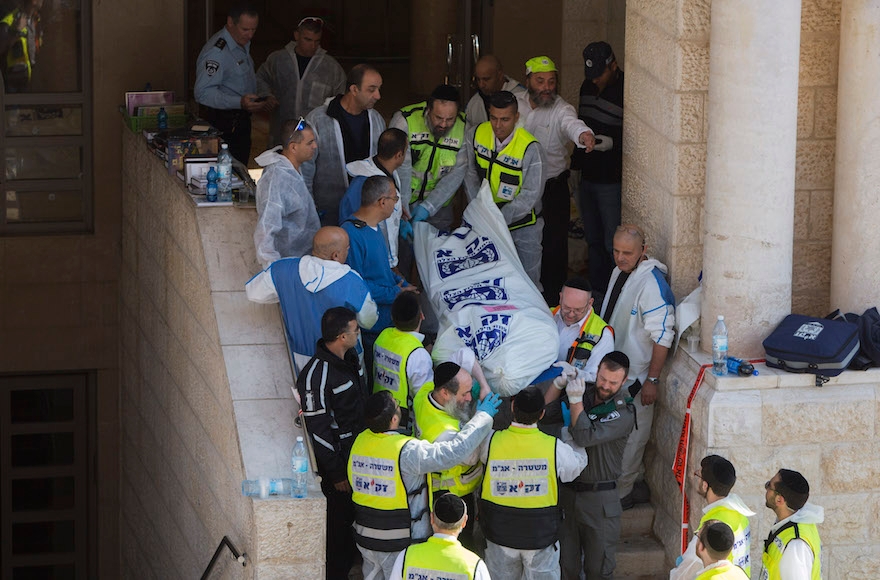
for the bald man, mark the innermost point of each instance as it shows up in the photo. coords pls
(490, 78)
(308, 286)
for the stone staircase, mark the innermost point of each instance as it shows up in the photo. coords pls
(639, 555)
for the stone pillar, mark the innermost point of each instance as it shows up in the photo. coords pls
(430, 22)
(855, 238)
(750, 169)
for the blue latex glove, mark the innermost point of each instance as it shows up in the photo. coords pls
(406, 231)
(420, 214)
(490, 404)
(475, 389)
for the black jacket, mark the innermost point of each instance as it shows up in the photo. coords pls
(333, 393)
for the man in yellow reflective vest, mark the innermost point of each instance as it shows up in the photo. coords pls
(792, 548)
(440, 413)
(20, 39)
(714, 545)
(436, 162)
(519, 512)
(442, 556)
(714, 479)
(386, 471)
(511, 160)
(401, 365)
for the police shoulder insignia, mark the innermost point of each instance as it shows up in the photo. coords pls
(211, 67)
(221, 43)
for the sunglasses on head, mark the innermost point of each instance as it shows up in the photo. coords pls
(310, 19)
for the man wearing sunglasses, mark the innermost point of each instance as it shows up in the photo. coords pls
(792, 549)
(287, 219)
(299, 77)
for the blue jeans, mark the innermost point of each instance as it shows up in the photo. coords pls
(599, 204)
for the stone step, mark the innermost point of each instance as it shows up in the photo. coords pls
(640, 556)
(638, 520)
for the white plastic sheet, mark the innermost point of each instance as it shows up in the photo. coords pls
(483, 298)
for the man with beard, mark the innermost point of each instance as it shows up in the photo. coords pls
(299, 77)
(715, 478)
(554, 123)
(436, 161)
(348, 129)
(440, 412)
(489, 78)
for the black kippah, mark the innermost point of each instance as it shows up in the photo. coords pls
(445, 93)
(578, 283)
(375, 405)
(794, 481)
(405, 307)
(445, 372)
(529, 400)
(618, 357)
(449, 508)
(716, 469)
(719, 536)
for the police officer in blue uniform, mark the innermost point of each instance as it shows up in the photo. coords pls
(226, 83)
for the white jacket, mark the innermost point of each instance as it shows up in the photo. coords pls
(643, 316)
(475, 112)
(287, 219)
(554, 127)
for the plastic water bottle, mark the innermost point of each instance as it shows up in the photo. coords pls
(211, 190)
(740, 367)
(719, 347)
(162, 119)
(299, 463)
(264, 487)
(224, 174)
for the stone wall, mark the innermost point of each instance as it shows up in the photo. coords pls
(814, 177)
(205, 392)
(665, 129)
(762, 424)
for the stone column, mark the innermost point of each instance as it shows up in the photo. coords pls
(855, 238)
(750, 169)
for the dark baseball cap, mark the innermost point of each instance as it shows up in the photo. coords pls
(597, 57)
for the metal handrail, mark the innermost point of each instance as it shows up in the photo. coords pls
(241, 558)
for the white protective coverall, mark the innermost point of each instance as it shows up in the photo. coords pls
(391, 226)
(287, 220)
(297, 93)
(325, 174)
(475, 112)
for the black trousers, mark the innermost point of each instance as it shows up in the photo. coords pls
(235, 128)
(341, 549)
(557, 214)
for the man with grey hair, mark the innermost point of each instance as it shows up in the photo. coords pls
(287, 219)
(368, 254)
(299, 77)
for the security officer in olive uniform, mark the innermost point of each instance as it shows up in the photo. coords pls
(511, 159)
(590, 503)
(226, 83)
(437, 159)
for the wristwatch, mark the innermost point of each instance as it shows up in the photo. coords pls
(655, 380)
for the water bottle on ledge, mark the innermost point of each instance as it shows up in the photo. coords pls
(224, 174)
(162, 119)
(264, 487)
(719, 348)
(299, 463)
(211, 189)
(740, 367)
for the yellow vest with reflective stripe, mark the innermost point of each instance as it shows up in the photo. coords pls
(439, 558)
(774, 550)
(729, 572)
(503, 169)
(382, 516)
(518, 506)
(742, 534)
(588, 337)
(430, 423)
(17, 55)
(432, 158)
(390, 355)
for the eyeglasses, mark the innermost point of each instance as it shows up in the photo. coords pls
(767, 486)
(568, 310)
(309, 19)
(632, 231)
(299, 127)
(698, 475)
(394, 199)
